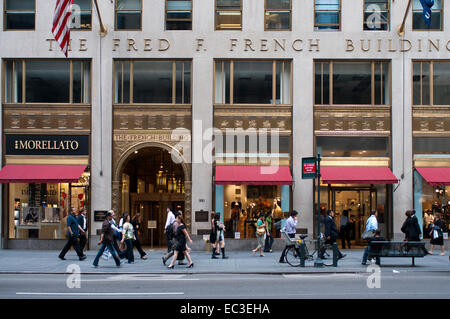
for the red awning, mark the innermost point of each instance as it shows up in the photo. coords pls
(436, 176)
(41, 173)
(253, 175)
(357, 175)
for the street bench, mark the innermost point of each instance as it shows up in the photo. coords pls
(410, 249)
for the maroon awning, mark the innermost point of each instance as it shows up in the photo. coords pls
(357, 175)
(436, 176)
(41, 173)
(253, 175)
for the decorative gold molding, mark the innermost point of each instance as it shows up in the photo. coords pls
(355, 161)
(431, 162)
(73, 160)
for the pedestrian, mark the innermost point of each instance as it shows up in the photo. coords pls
(220, 238)
(118, 234)
(213, 236)
(291, 229)
(182, 237)
(128, 237)
(136, 222)
(376, 237)
(269, 234)
(260, 235)
(371, 227)
(169, 220)
(82, 221)
(73, 231)
(436, 232)
(106, 241)
(345, 229)
(171, 230)
(331, 234)
(411, 227)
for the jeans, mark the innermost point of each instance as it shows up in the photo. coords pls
(283, 254)
(269, 243)
(137, 244)
(366, 255)
(102, 249)
(129, 251)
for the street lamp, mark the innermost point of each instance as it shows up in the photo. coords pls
(318, 262)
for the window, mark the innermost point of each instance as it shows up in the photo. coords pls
(152, 82)
(352, 82)
(128, 14)
(327, 15)
(19, 15)
(436, 16)
(45, 81)
(228, 14)
(277, 15)
(376, 15)
(339, 146)
(431, 83)
(178, 15)
(81, 15)
(431, 145)
(252, 82)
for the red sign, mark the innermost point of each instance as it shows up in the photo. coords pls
(309, 168)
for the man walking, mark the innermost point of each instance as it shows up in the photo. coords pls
(73, 231)
(331, 234)
(82, 221)
(136, 222)
(106, 241)
(170, 219)
(345, 229)
(371, 226)
(291, 230)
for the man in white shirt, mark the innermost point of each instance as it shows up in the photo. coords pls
(170, 219)
(291, 230)
(371, 224)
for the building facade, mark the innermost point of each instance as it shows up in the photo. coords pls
(211, 106)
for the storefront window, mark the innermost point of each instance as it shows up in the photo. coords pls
(39, 210)
(329, 146)
(431, 145)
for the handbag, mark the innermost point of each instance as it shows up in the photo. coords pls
(368, 234)
(122, 246)
(260, 231)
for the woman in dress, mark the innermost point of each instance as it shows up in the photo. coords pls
(260, 235)
(436, 230)
(128, 237)
(181, 235)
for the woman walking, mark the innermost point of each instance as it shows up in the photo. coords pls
(269, 234)
(436, 230)
(128, 237)
(181, 235)
(260, 235)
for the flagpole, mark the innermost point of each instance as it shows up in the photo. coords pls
(103, 29)
(401, 28)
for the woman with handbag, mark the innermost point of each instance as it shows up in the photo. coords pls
(435, 230)
(260, 235)
(128, 238)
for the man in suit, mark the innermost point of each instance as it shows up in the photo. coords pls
(331, 233)
(82, 221)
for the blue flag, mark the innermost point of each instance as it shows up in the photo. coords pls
(427, 5)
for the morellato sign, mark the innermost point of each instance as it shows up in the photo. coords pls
(65, 145)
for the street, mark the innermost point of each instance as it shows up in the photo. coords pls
(394, 285)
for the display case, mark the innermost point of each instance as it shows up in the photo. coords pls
(50, 215)
(29, 216)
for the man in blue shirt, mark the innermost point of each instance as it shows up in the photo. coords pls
(73, 231)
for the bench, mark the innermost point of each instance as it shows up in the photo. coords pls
(410, 249)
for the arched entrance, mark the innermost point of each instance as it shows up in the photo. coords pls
(147, 181)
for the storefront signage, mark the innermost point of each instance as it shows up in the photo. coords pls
(99, 215)
(152, 224)
(66, 145)
(308, 167)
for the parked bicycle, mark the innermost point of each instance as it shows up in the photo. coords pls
(293, 253)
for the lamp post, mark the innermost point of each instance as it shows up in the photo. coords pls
(318, 262)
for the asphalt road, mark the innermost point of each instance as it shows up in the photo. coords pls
(401, 285)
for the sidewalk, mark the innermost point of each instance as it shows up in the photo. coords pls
(47, 262)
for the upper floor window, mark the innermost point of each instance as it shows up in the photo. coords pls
(128, 14)
(252, 82)
(327, 14)
(431, 83)
(150, 81)
(376, 15)
(277, 15)
(228, 14)
(47, 81)
(352, 82)
(178, 15)
(436, 16)
(81, 15)
(19, 14)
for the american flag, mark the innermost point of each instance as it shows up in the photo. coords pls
(61, 23)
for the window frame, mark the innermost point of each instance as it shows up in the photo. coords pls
(190, 20)
(274, 84)
(174, 79)
(420, 11)
(339, 15)
(388, 14)
(431, 84)
(86, 29)
(216, 11)
(5, 14)
(266, 11)
(331, 83)
(23, 93)
(115, 17)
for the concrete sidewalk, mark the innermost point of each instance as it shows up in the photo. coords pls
(47, 262)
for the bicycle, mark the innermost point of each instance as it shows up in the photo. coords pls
(294, 251)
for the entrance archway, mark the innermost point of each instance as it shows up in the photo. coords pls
(147, 181)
